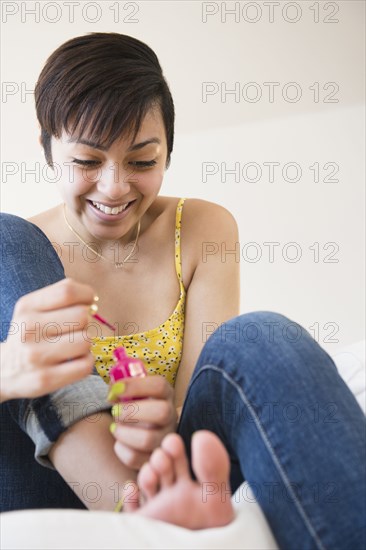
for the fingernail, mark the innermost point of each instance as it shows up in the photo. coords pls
(117, 409)
(112, 427)
(116, 390)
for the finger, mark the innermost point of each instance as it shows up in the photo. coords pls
(139, 439)
(64, 293)
(60, 349)
(51, 324)
(130, 457)
(50, 379)
(156, 412)
(73, 369)
(65, 319)
(149, 386)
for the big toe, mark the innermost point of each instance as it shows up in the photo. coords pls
(210, 461)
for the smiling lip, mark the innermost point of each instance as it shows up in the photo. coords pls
(109, 217)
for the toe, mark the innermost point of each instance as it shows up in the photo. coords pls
(163, 465)
(216, 469)
(148, 481)
(130, 496)
(174, 446)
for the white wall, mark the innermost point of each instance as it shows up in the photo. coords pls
(325, 295)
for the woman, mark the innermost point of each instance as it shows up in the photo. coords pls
(107, 126)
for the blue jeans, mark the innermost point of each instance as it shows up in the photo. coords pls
(292, 427)
(290, 424)
(28, 263)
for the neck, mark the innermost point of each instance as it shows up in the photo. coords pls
(113, 249)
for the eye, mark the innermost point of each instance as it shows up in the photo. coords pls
(86, 162)
(137, 163)
(143, 163)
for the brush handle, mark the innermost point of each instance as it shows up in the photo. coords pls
(103, 321)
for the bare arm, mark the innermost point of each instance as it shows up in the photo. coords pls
(213, 295)
(92, 462)
(84, 456)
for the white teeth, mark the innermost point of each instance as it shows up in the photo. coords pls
(108, 209)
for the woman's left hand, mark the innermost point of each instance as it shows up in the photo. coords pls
(140, 425)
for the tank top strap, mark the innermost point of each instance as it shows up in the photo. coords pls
(178, 258)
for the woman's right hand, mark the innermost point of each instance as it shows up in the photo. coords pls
(47, 347)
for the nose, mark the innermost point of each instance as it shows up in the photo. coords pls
(115, 181)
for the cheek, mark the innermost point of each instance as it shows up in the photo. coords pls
(85, 180)
(150, 182)
(78, 181)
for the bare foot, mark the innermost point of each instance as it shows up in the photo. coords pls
(171, 495)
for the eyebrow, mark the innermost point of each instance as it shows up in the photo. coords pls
(133, 147)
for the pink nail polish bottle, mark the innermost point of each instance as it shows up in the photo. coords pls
(126, 367)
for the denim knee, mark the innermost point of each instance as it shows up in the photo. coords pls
(257, 327)
(23, 241)
(28, 262)
(264, 341)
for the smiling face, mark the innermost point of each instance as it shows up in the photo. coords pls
(106, 191)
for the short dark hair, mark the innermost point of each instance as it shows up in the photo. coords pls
(103, 81)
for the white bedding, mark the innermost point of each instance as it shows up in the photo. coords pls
(78, 529)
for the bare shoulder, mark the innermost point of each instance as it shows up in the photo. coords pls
(205, 227)
(202, 220)
(46, 218)
(209, 220)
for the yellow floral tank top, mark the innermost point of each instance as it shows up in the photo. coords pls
(159, 348)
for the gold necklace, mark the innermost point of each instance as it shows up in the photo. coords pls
(117, 265)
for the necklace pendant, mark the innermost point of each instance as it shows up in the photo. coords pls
(117, 265)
